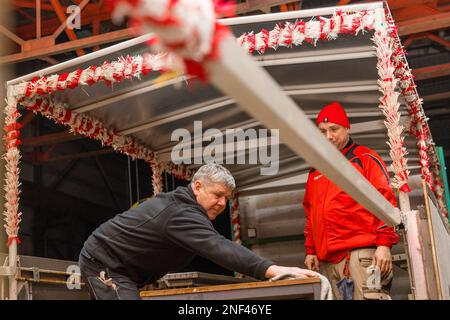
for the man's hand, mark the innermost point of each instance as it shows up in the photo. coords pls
(383, 259)
(274, 271)
(311, 262)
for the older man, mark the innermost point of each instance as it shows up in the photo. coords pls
(342, 237)
(163, 235)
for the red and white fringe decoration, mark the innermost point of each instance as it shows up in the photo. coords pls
(390, 105)
(12, 157)
(135, 66)
(185, 27)
(418, 124)
(235, 219)
(439, 189)
(312, 31)
(178, 171)
(109, 72)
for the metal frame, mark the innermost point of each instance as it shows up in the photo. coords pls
(287, 289)
(257, 96)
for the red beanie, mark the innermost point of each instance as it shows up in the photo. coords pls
(334, 113)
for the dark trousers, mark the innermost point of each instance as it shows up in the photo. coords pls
(125, 288)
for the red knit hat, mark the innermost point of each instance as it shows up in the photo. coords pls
(334, 113)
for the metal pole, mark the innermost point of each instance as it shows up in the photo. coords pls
(440, 152)
(12, 258)
(280, 16)
(129, 181)
(263, 99)
(432, 240)
(137, 181)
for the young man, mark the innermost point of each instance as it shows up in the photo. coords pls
(342, 238)
(163, 235)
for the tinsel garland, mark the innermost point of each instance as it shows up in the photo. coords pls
(389, 105)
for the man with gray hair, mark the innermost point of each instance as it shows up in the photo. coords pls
(164, 234)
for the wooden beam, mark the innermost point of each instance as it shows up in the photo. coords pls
(435, 71)
(426, 35)
(96, 31)
(30, 5)
(63, 19)
(254, 5)
(11, 35)
(438, 39)
(437, 96)
(26, 15)
(428, 23)
(412, 12)
(50, 25)
(38, 19)
(69, 46)
(400, 4)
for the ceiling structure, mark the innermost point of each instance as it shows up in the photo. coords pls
(40, 37)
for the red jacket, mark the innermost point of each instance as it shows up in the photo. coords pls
(335, 223)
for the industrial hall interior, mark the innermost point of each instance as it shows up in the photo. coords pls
(225, 150)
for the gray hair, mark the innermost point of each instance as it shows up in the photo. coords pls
(214, 173)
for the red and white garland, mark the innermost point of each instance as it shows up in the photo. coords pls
(390, 105)
(418, 121)
(186, 27)
(109, 72)
(12, 157)
(312, 31)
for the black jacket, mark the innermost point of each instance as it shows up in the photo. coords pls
(163, 235)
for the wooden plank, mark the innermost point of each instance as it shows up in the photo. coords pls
(11, 35)
(230, 287)
(399, 4)
(427, 256)
(415, 253)
(428, 23)
(69, 46)
(435, 71)
(440, 244)
(414, 11)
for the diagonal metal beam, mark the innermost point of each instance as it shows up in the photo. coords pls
(63, 19)
(262, 98)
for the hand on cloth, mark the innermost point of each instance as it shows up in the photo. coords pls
(382, 258)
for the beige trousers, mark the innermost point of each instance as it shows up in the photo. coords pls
(360, 260)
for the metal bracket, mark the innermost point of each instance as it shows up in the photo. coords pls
(36, 275)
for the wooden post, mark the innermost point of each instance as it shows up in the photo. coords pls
(433, 245)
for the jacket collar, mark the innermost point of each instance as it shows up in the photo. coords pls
(348, 146)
